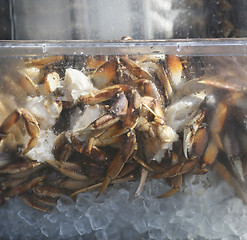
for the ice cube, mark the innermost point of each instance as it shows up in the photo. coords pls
(155, 234)
(25, 215)
(67, 229)
(64, 203)
(99, 218)
(53, 215)
(112, 233)
(82, 225)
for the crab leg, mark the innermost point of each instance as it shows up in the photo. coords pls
(23, 187)
(105, 74)
(148, 88)
(218, 122)
(224, 173)
(104, 94)
(210, 81)
(144, 175)
(135, 69)
(232, 149)
(163, 78)
(29, 200)
(72, 170)
(176, 170)
(31, 125)
(119, 160)
(97, 185)
(48, 191)
(176, 183)
(176, 69)
(19, 167)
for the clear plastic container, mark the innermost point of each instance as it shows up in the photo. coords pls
(212, 81)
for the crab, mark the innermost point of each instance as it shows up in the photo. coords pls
(114, 119)
(210, 137)
(134, 107)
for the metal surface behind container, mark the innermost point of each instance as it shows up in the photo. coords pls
(108, 20)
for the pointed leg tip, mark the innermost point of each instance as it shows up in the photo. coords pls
(104, 185)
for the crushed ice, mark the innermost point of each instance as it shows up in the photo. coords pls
(204, 209)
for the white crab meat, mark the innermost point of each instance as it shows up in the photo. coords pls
(44, 110)
(43, 149)
(182, 110)
(76, 84)
(51, 82)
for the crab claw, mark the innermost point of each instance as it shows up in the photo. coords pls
(195, 137)
(31, 125)
(123, 155)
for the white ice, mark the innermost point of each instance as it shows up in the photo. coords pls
(205, 208)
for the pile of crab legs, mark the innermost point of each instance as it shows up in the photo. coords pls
(121, 144)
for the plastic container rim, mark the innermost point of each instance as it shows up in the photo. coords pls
(180, 47)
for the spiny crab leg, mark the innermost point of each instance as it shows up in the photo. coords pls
(123, 155)
(72, 170)
(31, 125)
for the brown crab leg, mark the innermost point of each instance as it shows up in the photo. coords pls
(127, 169)
(105, 74)
(211, 81)
(210, 154)
(20, 189)
(145, 165)
(135, 69)
(18, 167)
(148, 88)
(72, 170)
(31, 202)
(97, 185)
(50, 201)
(232, 148)
(176, 170)
(104, 94)
(119, 160)
(218, 122)
(144, 175)
(163, 78)
(48, 191)
(176, 183)
(224, 173)
(176, 68)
